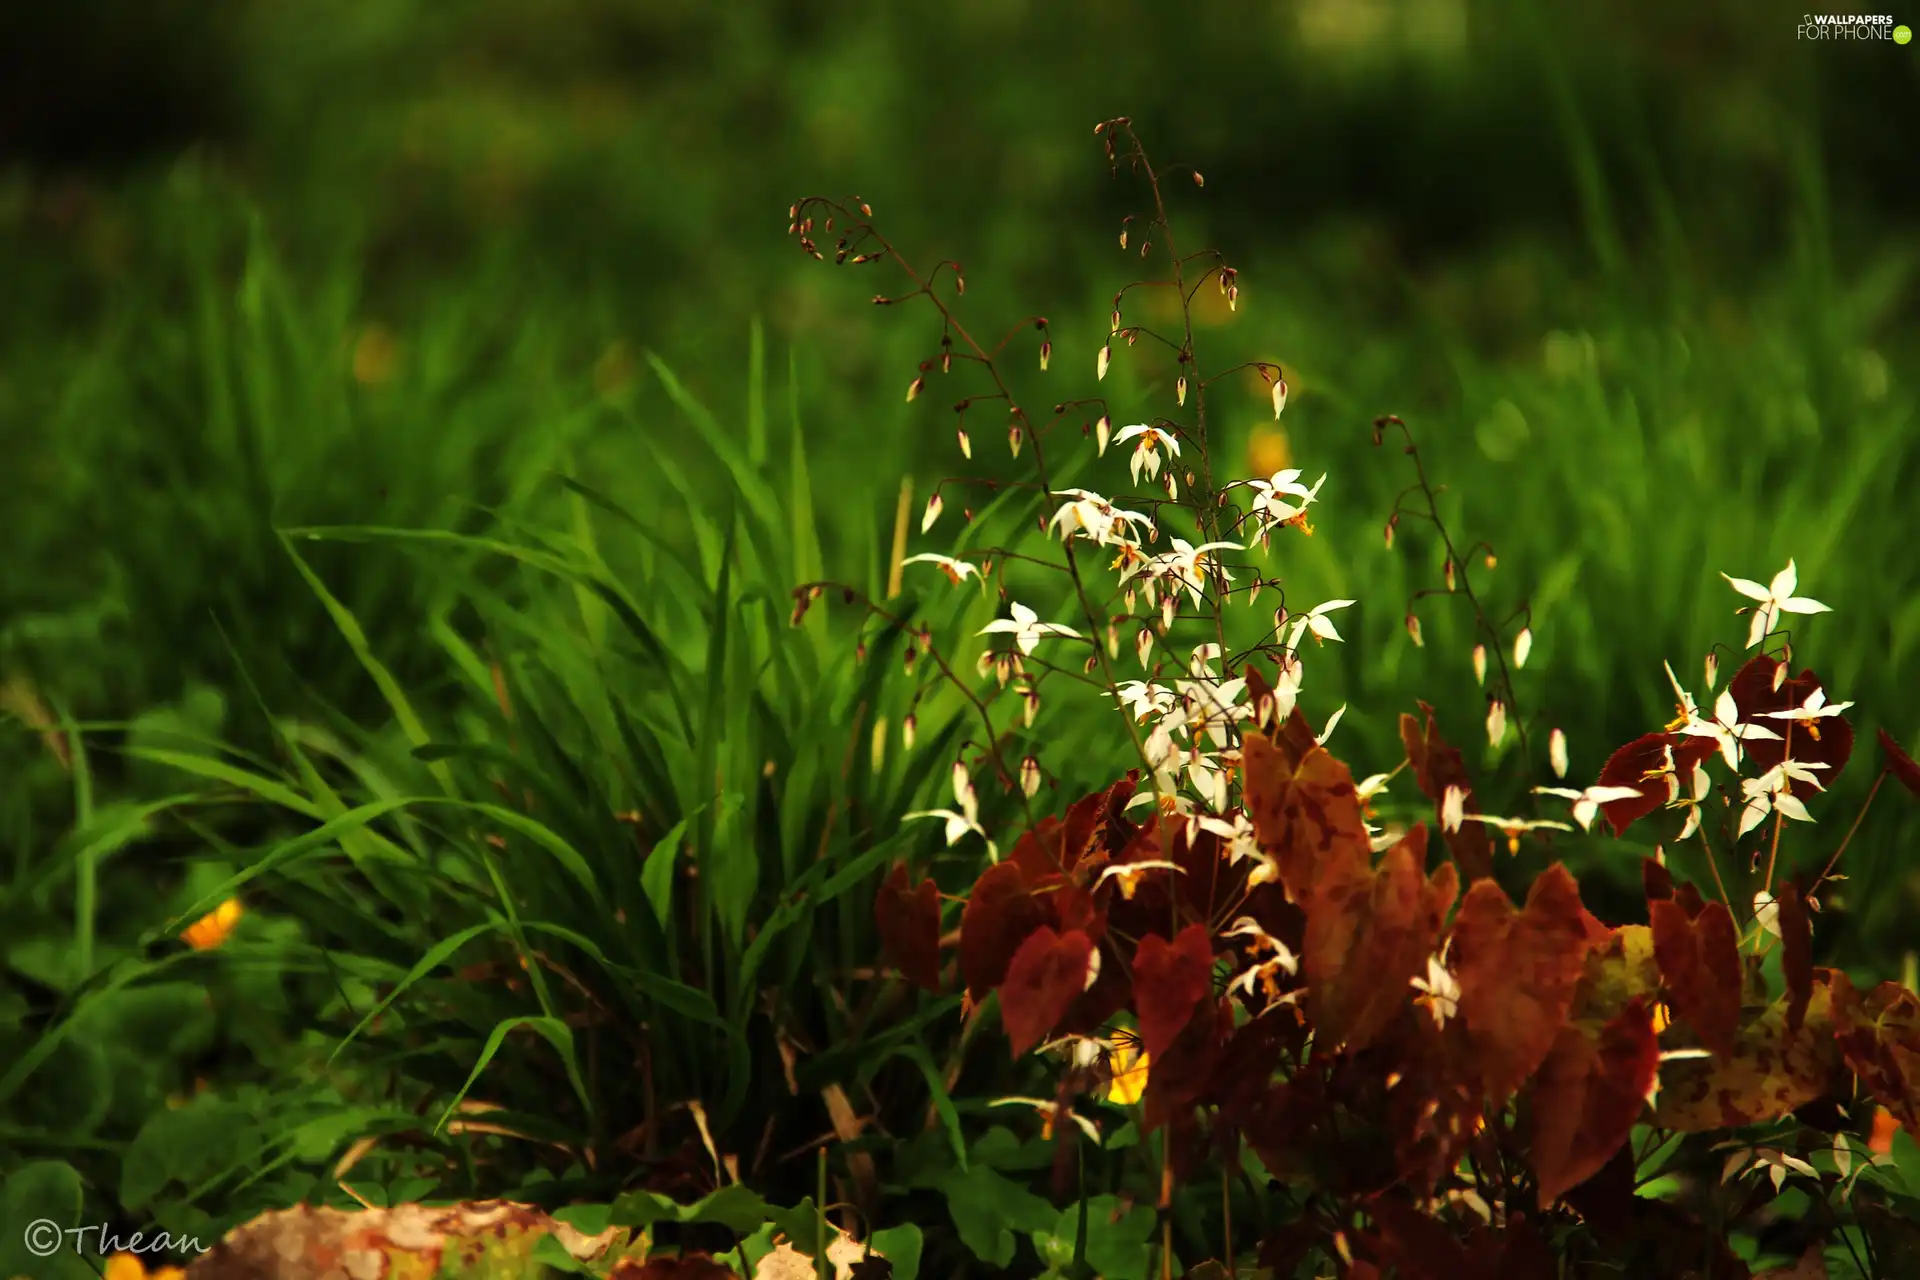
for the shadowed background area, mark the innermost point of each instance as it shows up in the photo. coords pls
(1641, 276)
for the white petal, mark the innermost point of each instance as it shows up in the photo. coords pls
(1747, 587)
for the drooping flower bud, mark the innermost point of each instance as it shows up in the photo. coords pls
(1106, 358)
(914, 388)
(1030, 775)
(1479, 664)
(932, 513)
(1496, 722)
(1557, 752)
(1103, 432)
(1522, 646)
(1413, 630)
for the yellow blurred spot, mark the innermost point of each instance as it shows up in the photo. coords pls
(1268, 451)
(127, 1266)
(1662, 1018)
(1129, 1075)
(213, 928)
(375, 355)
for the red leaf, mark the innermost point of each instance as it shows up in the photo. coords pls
(1899, 762)
(1437, 766)
(1047, 975)
(1587, 1097)
(1369, 933)
(1827, 741)
(1656, 880)
(1879, 1034)
(909, 925)
(1796, 950)
(1630, 765)
(1169, 980)
(1308, 818)
(1000, 913)
(1517, 972)
(1700, 960)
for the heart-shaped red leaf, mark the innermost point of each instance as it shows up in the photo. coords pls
(1169, 981)
(1047, 974)
(908, 919)
(1700, 960)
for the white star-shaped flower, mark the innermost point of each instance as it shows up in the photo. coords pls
(1586, 804)
(967, 817)
(1146, 454)
(1775, 599)
(957, 571)
(1026, 628)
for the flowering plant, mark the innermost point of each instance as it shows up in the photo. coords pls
(1431, 1080)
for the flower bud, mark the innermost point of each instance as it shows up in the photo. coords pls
(1279, 395)
(1522, 646)
(1392, 523)
(1413, 630)
(1557, 752)
(1447, 573)
(1113, 640)
(1014, 437)
(1103, 432)
(966, 443)
(1029, 775)
(1479, 664)
(1169, 607)
(914, 388)
(932, 513)
(1046, 353)
(1712, 667)
(1496, 722)
(1123, 237)
(907, 728)
(1106, 357)
(1143, 645)
(1180, 390)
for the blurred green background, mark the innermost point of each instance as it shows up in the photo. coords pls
(1640, 275)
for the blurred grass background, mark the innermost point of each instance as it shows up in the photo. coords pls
(1641, 276)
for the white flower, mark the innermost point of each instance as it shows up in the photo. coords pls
(957, 571)
(1775, 599)
(1315, 620)
(1440, 990)
(1586, 804)
(1027, 628)
(1094, 517)
(1514, 828)
(1146, 454)
(1130, 873)
(1726, 728)
(1181, 566)
(1241, 843)
(967, 817)
(1772, 792)
(1144, 699)
(1271, 505)
(1212, 706)
(1810, 712)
